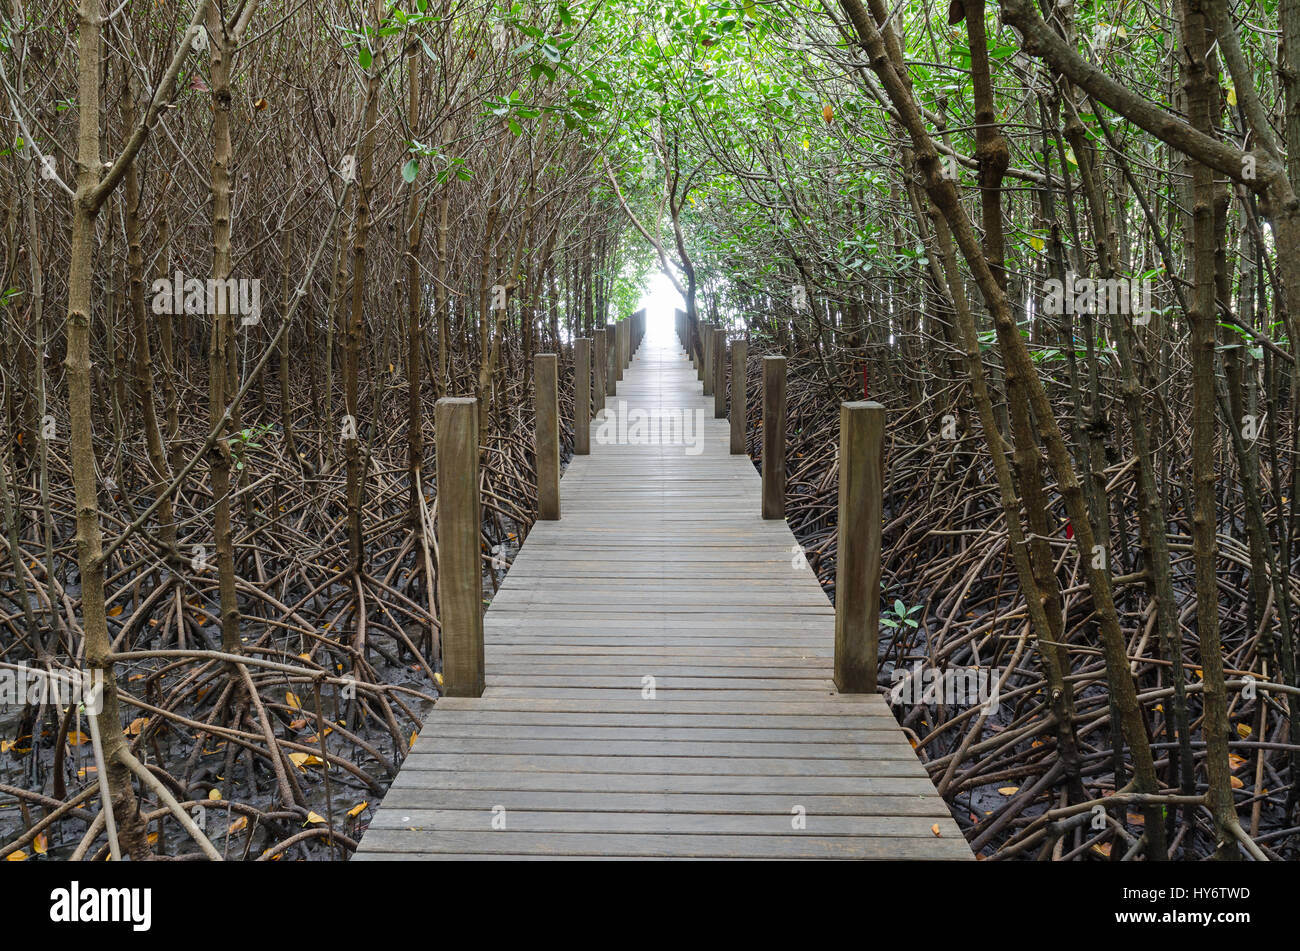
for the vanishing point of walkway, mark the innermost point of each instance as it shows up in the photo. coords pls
(658, 671)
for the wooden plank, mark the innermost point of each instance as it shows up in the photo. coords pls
(667, 844)
(726, 804)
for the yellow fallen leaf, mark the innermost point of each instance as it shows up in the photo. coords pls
(152, 838)
(1236, 783)
(358, 809)
(1243, 731)
(314, 819)
(115, 610)
(41, 845)
(437, 678)
(135, 726)
(1102, 848)
(1235, 761)
(77, 738)
(299, 760)
(935, 829)
(292, 701)
(239, 825)
(413, 736)
(1008, 790)
(1134, 819)
(19, 856)
(214, 794)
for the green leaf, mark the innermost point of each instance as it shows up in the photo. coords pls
(410, 170)
(365, 58)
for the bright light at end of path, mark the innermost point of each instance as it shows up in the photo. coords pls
(660, 300)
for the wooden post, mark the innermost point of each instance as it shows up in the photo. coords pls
(699, 364)
(545, 383)
(774, 437)
(706, 331)
(611, 348)
(857, 561)
(739, 397)
(620, 348)
(719, 374)
(598, 361)
(460, 566)
(582, 396)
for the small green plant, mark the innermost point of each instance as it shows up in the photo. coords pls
(245, 440)
(899, 614)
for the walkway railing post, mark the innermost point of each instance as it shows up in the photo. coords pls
(695, 358)
(460, 566)
(774, 437)
(706, 341)
(857, 560)
(739, 397)
(546, 395)
(611, 348)
(620, 348)
(719, 374)
(582, 396)
(598, 361)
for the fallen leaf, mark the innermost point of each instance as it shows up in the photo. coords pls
(239, 825)
(1243, 731)
(115, 610)
(41, 845)
(358, 809)
(1235, 761)
(135, 726)
(19, 856)
(314, 819)
(1236, 783)
(935, 829)
(292, 701)
(214, 794)
(1008, 790)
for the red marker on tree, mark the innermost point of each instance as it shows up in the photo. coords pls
(1069, 530)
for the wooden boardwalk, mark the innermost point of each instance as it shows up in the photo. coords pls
(658, 680)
